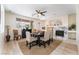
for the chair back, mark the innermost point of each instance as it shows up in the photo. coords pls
(46, 35)
(15, 32)
(28, 36)
(51, 33)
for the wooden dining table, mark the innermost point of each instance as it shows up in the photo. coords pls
(38, 36)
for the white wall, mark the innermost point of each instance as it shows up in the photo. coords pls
(77, 23)
(63, 19)
(10, 19)
(2, 27)
(2, 19)
(71, 19)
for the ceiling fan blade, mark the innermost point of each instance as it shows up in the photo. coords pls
(44, 11)
(40, 12)
(43, 14)
(37, 11)
(33, 14)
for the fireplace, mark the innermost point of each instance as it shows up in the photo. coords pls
(59, 33)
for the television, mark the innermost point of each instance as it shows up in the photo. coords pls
(60, 33)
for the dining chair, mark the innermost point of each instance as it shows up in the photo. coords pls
(30, 41)
(46, 37)
(51, 35)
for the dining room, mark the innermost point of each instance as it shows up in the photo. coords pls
(37, 29)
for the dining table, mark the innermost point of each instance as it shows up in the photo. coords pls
(38, 36)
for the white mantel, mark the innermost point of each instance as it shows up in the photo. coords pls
(60, 28)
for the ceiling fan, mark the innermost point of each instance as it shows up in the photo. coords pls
(39, 12)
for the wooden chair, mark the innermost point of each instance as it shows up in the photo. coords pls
(16, 35)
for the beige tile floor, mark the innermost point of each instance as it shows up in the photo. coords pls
(67, 47)
(11, 48)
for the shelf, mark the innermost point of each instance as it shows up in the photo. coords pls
(72, 31)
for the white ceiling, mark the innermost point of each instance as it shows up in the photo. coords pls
(52, 9)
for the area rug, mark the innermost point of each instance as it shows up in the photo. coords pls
(36, 50)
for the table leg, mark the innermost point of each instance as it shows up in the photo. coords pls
(38, 41)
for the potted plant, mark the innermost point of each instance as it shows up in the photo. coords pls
(72, 27)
